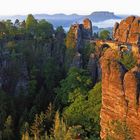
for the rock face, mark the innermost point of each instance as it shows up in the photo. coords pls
(115, 29)
(128, 31)
(77, 60)
(13, 74)
(87, 29)
(92, 67)
(120, 96)
(80, 32)
(23, 79)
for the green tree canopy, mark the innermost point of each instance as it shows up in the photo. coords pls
(128, 60)
(44, 29)
(8, 130)
(31, 23)
(77, 78)
(105, 34)
(70, 39)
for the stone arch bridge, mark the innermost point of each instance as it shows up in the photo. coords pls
(116, 45)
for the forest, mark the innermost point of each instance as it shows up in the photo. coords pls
(42, 95)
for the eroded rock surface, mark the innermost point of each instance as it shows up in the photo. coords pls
(87, 29)
(120, 95)
(77, 60)
(13, 73)
(128, 31)
(78, 33)
(93, 67)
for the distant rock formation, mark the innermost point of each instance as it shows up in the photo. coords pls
(78, 33)
(87, 29)
(120, 95)
(77, 61)
(128, 31)
(102, 16)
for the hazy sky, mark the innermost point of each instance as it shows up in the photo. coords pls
(11, 7)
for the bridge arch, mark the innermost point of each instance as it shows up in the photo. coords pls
(123, 48)
(104, 46)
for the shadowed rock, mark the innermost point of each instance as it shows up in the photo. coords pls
(81, 32)
(77, 60)
(93, 67)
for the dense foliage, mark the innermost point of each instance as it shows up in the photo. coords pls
(119, 130)
(70, 39)
(128, 60)
(84, 110)
(41, 96)
(104, 34)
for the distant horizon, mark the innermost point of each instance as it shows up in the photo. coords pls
(81, 7)
(43, 13)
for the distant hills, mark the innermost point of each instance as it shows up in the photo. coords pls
(66, 20)
(102, 16)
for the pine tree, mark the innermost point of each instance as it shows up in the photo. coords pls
(49, 114)
(57, 126)
(31, 24)
(25, 135)
(61, 131)
(37, 127)
(8, 129)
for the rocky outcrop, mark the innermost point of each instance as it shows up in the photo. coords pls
(23, 79)
(77, 60)
(13, 73)
(128, 31)
(120, 96)
(78, 33)
(87, 29)
(115, 29)
(132, 96)
(93, 67)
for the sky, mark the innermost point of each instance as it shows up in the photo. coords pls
(23, 7)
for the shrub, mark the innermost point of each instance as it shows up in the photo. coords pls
(128, 60)
(118, 130)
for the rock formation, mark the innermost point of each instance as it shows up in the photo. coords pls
(78, 33)
(23, 79)
(87, 29)
(100, 16)
(120, 95)
(13, 73)
(115, 29)
(77, 60)
(128, 31)
(93, 67)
